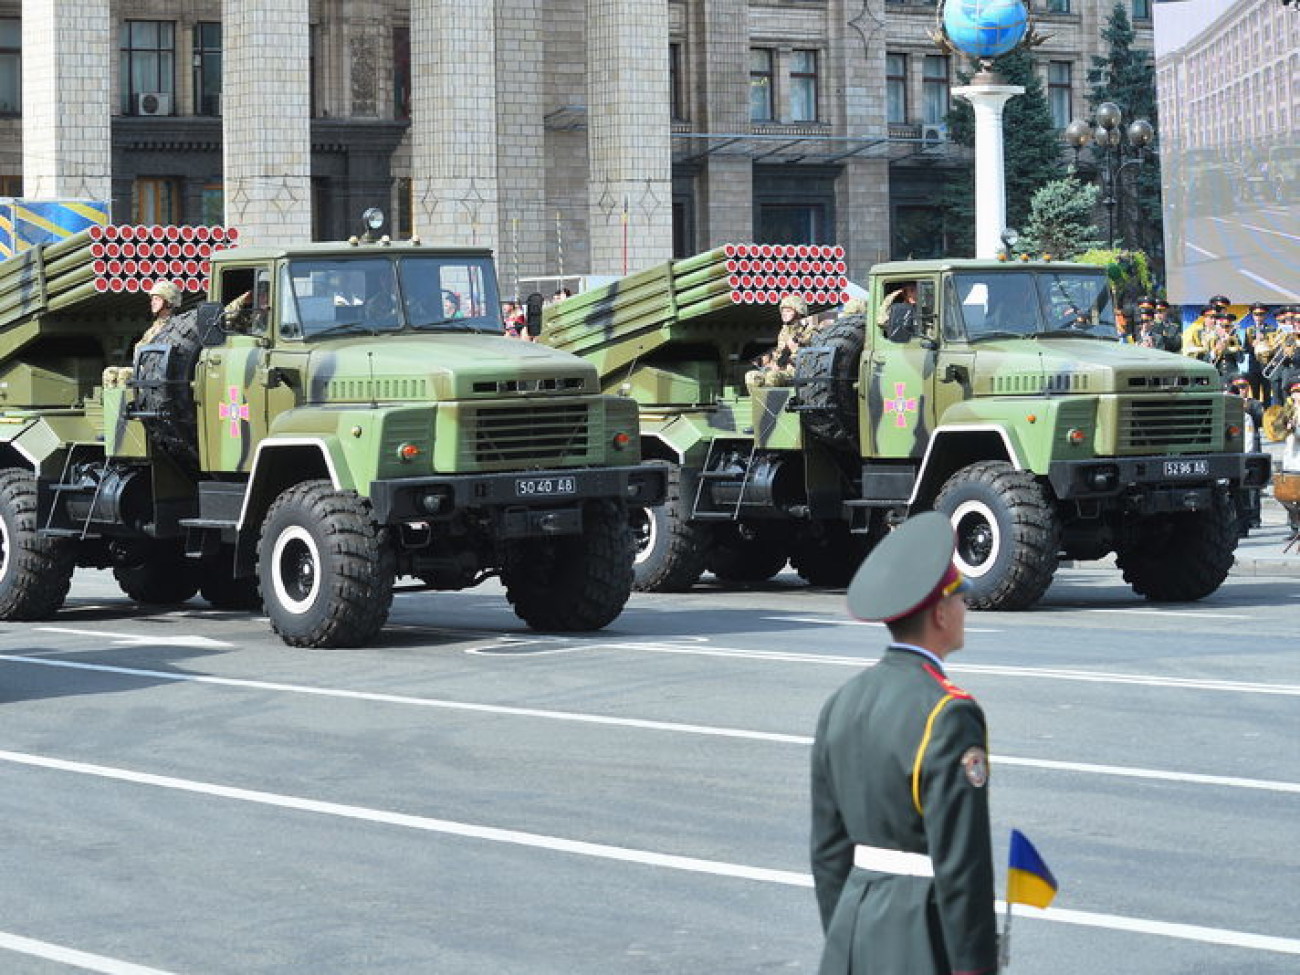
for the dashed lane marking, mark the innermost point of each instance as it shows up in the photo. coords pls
(717, 868)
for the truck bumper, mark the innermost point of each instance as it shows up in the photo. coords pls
(545, 502)
(1157, 483)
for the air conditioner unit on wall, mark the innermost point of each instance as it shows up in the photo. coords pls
(153, 103)
(933, 134)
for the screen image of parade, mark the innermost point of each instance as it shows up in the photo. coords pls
(1228, 80)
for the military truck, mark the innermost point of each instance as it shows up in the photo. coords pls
(355, 415)
(1007, 404)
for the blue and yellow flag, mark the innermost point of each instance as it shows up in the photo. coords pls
(1028, 879)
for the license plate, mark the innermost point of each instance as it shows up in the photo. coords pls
(545, 487)
(1187, 468)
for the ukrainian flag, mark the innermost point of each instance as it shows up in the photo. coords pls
(1028, 879)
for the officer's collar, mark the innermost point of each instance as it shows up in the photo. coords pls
(913, 648)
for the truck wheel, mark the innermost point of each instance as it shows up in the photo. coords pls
(830, 556)
(573, 582)
(670, 550)
(1181, 557)
(325, 568)
(741, 554)
(165, 391)
(162, 576)
(826, 378)
(35, 572)
(1008, 537)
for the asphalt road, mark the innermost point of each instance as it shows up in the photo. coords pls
(1251, 251)
(182, 793)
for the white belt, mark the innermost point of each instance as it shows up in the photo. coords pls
(893, 861)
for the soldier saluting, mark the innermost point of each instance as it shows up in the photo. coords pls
(901, 854)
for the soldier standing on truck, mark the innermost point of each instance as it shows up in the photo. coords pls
(776, 368)
(164, 299)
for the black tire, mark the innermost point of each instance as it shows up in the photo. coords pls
(161, 575)
(164, 390)
(1181, 557)
(829, 554)
(573, 583)
(671, 552)
(826, 382)
(1008, 535)
(225, 591)
(35, 572)
(742, 554)
(325, 568)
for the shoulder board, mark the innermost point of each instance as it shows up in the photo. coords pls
(948, 686)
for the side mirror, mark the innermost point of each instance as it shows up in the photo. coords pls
(210, 318)
(925, 306)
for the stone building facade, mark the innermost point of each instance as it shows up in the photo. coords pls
(571, 136)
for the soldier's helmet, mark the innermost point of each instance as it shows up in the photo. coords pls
(855, 306)
(797, 303)
(168, 292)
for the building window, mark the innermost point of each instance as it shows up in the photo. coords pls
(1057, 6)
(401, 72)
(213, 203)
(11, 66)
(207, 69)
(760, 85)
(148, 73)
(803, 86)
(791, 223)
(11, 186)
(934, 89)
(676, 97)
(157, 200)
(896, 88)
(1059, 92)
(1141, 9)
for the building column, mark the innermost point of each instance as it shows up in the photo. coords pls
(67, 129)
(521, 132)
(266, 125)
(629, 202)
(726, 185)
(454, 192)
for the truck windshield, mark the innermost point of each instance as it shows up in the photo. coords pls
(389, 294)
(1010, 303)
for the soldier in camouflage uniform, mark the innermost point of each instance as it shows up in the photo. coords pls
(902, 858)
(776, 368)
(164, 298)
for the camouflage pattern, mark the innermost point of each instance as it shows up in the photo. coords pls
(1002, 369)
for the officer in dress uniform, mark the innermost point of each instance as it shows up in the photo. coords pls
(1170, 323)
(901, 853)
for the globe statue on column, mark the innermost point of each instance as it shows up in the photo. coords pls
(985, 29)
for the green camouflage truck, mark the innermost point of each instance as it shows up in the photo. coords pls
(359, 419)
(1007, 405)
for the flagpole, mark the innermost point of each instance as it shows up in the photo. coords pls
(1004, 949)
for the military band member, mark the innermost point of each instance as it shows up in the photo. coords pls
(1284, 366)
(901, 853)
(1169, 322)
(1197, 338)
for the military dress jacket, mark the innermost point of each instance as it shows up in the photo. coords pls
(900, 763)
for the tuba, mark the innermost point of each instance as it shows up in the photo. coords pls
(1274, 426)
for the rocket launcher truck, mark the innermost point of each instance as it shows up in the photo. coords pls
(1005, 403)
(325, 419)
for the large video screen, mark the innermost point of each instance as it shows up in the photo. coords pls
(1228, 83)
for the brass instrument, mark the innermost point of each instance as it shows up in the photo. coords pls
(1282, 351)
(1274, 425)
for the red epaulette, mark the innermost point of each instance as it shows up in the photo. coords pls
(948, 686)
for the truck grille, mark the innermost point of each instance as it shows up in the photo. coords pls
(532, 434)
(1164, 423)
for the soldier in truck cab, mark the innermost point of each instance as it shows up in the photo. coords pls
(898, 313)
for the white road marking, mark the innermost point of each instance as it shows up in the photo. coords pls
(1260, 279)
(71, 956)
(1193, 614)
(1201, 250)
(131, 640)
(645, 724)
(717, 868)
(836, 621)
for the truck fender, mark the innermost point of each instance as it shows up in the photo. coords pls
(278, 464)
(952, 448)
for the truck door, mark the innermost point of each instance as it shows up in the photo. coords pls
(233, 415)
(900, 369)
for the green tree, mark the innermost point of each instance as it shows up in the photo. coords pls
(1031, 149)
(1127, 77)
(1060, 220)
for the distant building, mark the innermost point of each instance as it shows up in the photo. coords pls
(569, 136)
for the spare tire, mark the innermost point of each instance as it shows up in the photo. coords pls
(826, 382)
(164, 384)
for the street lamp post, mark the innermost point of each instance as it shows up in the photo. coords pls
(1115, 147)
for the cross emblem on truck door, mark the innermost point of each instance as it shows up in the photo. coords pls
(900, 405)
(234, 411)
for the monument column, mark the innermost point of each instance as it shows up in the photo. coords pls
(988, 98)
(454, 192)
(67, 131)
(266, 124)
(629, 201)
